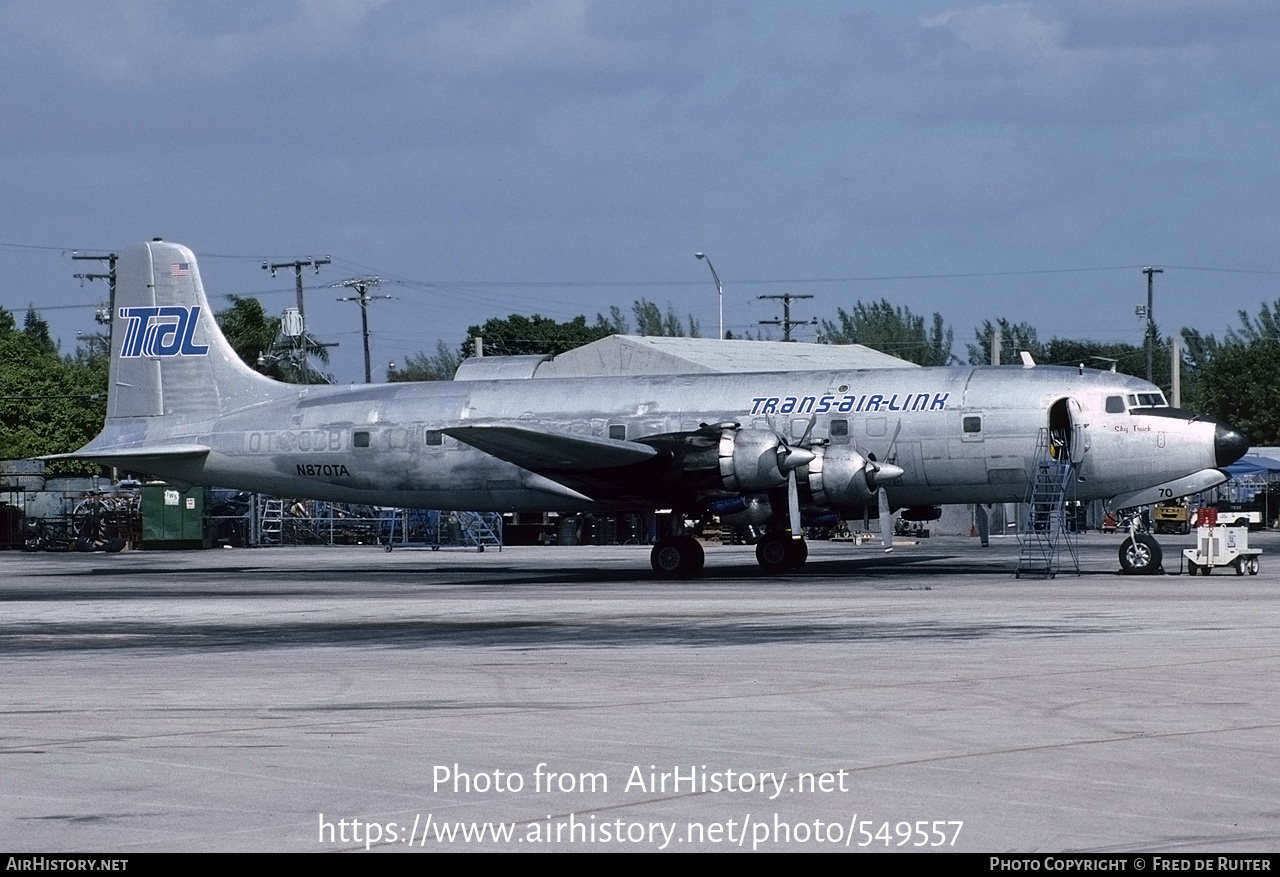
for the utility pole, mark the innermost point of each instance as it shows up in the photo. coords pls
(110, 277)
(297, 265)
(1175, 371)
(300, 351)
(786, 322)
(1149, 311)
(362, 285)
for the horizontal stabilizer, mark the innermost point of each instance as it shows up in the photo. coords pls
(1203, 480)
(536, 450)
(121, 456)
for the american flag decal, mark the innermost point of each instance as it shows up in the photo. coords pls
(180, 269)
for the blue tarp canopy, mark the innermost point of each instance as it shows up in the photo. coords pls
(1253, 464)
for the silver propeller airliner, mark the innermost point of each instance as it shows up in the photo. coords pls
(772, 449)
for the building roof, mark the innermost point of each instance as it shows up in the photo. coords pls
(649, 355)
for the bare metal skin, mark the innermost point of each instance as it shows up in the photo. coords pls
(782, 445)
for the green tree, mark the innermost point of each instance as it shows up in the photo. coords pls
(1130, 359)
(896, 331)
(1236, 379)
(256, 338)
(616, 322)
(1014, 338)
(438, 366)
(1265, 327)
(651, 321)
(37, 330)
(520, 335)
(1240, 385)
(48, 404)
(251, 333)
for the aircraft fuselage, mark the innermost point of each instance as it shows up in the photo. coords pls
(960, 435)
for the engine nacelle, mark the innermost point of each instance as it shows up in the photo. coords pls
(838, 477)
(749, 461)
(736, 510)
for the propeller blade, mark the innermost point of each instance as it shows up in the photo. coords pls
(983, 523)
(886, 521)
(892, 453)
(793, 505)
(808, 429)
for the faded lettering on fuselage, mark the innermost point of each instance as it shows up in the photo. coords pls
(849, 404)
(291, 441)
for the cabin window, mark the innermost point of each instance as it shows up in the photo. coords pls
(434, 438)
(1115, 405)
(839, 427)
(972, 424)
(618, 431)
(360, 439)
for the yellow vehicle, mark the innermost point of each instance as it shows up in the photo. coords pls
(1172, 517)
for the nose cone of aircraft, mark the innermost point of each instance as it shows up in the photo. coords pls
(1228, 445)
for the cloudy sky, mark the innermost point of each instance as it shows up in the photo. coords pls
(1018, 160)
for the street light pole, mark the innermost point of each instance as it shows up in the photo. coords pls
(719, 289)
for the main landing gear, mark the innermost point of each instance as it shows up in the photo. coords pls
(677, 557)
(778, 553)
(681, 557)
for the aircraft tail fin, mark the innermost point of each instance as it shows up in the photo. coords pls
(168, 357)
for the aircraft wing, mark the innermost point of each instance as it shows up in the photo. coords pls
(538, 451)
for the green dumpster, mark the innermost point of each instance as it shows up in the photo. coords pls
(174, 518)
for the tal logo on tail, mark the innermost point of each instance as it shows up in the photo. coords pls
(161, 332)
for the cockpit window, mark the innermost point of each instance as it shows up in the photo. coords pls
(1115, 405)
(1147, 400)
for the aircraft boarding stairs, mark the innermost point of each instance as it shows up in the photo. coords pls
(1045, 532)
(431, 528)
(481, 529)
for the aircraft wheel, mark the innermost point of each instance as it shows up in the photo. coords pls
(1140, 555)
(779, 553)
(676, 557)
